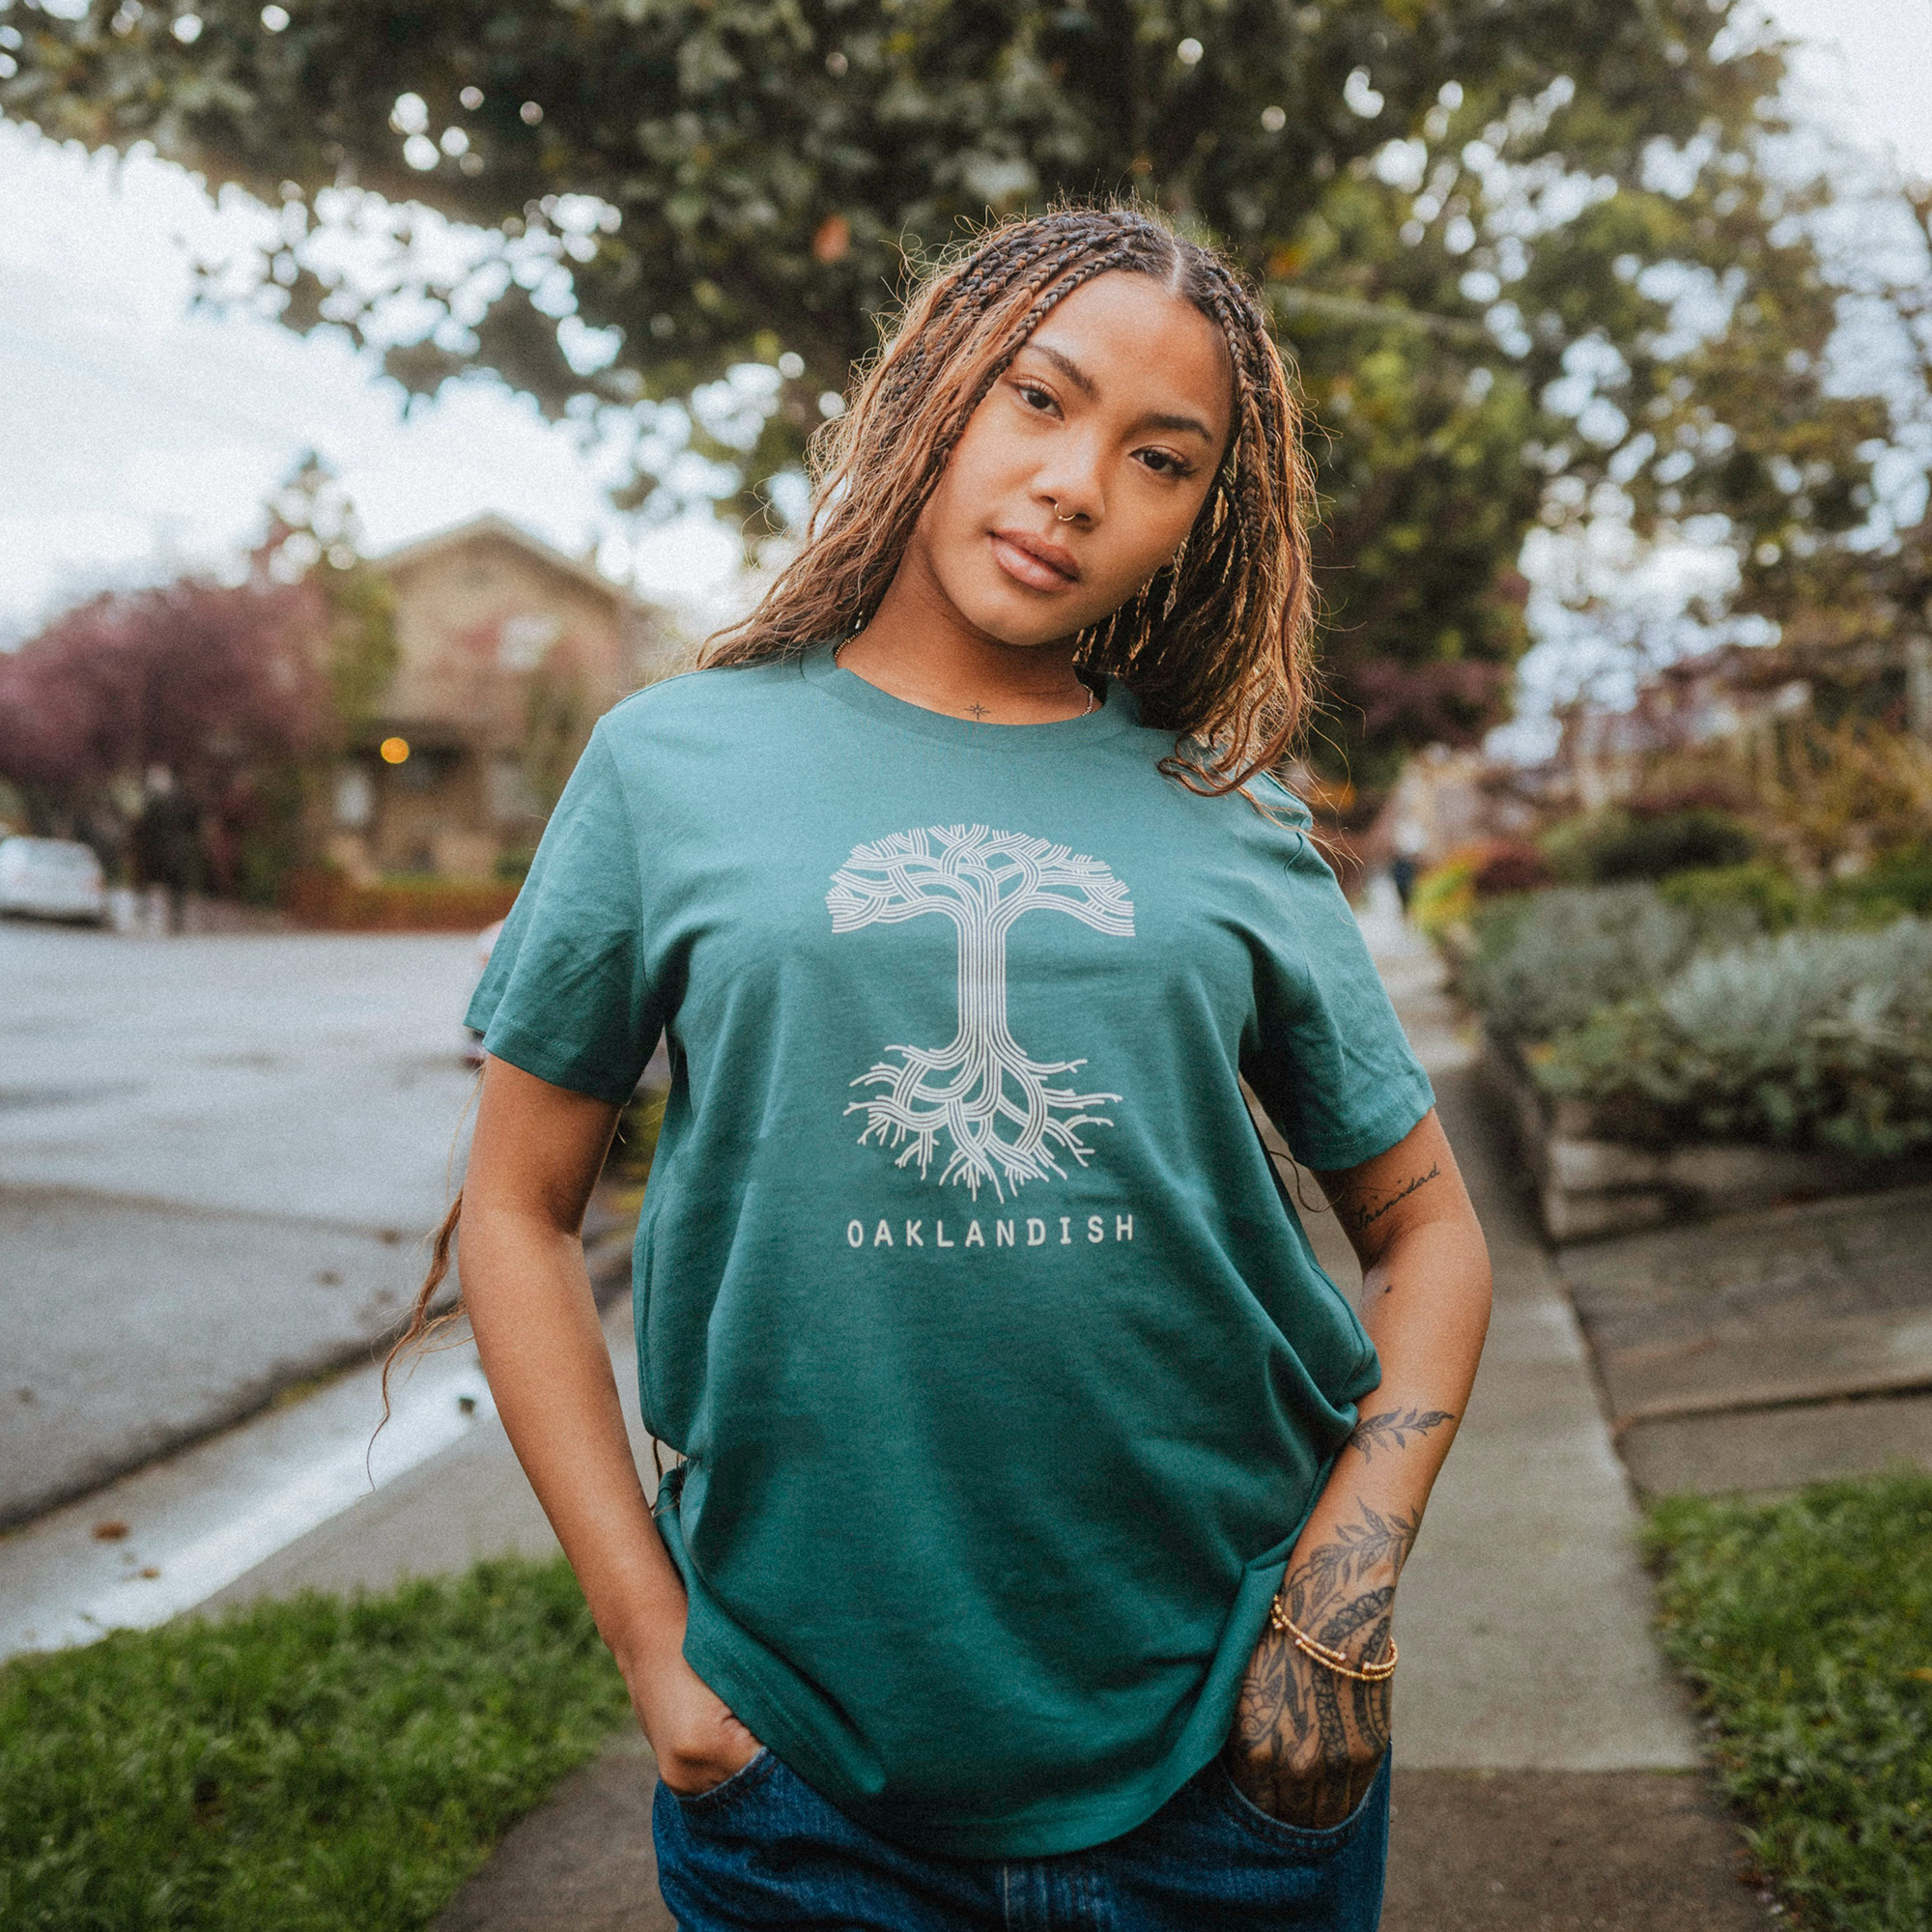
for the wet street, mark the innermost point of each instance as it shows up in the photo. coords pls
(218, 1156)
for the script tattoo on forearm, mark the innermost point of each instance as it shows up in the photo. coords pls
(1307, 1742)
(1393, 1427)
(1367, 1217)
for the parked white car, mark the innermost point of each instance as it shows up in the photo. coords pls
(52, 878)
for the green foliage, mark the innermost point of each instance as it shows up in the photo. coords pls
(668, 189)
(1890, 887)
(269, 844)
(1608, 847)
(559, 712)
(315, 539)
(1444, 897)
(363, 651)
(1755, 892)
(1818, 1039)
(1803, 1624)
(1546, 962)
(1449, 894)
(314, 1765)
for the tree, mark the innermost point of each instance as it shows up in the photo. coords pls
(213, 685)
(991, 1101)
(314, 538)
(1473, 224)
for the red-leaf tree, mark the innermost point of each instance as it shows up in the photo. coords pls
(216, 686)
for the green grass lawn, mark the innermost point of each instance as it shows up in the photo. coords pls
(1806, 1626)
(324, 1765)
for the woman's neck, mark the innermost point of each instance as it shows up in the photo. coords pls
(917, 649)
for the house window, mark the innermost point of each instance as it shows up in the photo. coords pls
(424, 771)
(354, 797)
(524, 641)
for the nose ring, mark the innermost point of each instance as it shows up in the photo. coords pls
(1058, 519)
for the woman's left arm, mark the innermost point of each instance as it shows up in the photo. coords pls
(1308, 1740)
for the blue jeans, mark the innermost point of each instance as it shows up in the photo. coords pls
(764, 1849)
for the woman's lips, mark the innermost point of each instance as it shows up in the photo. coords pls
(1035, 561)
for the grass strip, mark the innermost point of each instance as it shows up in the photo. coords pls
(1806, 1624)
(321, 1764)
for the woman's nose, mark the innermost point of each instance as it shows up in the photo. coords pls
(1074, 492)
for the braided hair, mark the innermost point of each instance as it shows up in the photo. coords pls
(1217, 647)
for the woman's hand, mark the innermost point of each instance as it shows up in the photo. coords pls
(1307, 1742)
(698, 1743)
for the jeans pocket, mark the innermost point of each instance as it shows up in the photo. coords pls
(746, 1780)
(1308, 1841)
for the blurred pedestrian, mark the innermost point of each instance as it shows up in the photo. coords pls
(167, 843)
(1410, 842)
(1042, 1501)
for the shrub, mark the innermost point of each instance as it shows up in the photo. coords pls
(1450, 893)
(1545, 964)
(1510, 866)
(1444, 895)
(1757, 893)
(427, 904)
(1895, 885)
(1672, 787)
(1820, 1037)
(1616, 844)
(1829, 794)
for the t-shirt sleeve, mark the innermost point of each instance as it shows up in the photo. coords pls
(1332, 1064)
(566, 995)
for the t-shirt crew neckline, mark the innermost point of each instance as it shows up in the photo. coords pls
(1115, 714)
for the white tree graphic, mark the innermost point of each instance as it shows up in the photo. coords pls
(1004, 1122)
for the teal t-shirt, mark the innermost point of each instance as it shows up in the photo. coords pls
(1002, 1371)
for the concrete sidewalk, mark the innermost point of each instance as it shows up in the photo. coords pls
(1547, 1775)
(1547, 1778)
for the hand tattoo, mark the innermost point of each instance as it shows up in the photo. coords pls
(1393, 1427)
(1307, 1742)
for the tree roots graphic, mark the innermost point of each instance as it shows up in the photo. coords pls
(993, 1106)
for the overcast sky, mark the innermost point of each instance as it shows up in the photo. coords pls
(137, 436)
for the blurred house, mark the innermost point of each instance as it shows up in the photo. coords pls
(1447, 799)
(1735, 697)
(1727, 696)
(510, 651)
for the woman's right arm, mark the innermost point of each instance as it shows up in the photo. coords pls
(533, 1161)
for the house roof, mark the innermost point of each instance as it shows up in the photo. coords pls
(491, 525)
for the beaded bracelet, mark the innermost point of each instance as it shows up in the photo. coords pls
(1331, 1658)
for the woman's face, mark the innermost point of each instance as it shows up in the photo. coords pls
(1081, 473)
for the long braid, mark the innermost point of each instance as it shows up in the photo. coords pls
(1216, 647)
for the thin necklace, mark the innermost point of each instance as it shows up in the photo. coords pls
(980, 710)
(980, 714)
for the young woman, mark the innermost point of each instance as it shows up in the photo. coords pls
(1032, 1553)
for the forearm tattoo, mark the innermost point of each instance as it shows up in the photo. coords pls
(1307, 1742)
(1393, 1427)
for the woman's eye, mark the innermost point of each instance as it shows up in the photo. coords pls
(1163, 464)
(1034, 398)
